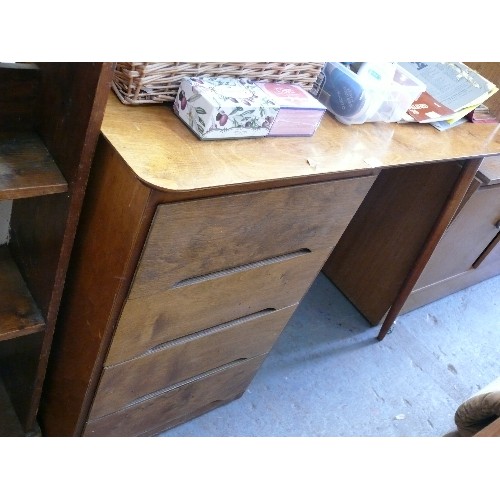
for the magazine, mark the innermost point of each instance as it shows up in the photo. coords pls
(453, 90)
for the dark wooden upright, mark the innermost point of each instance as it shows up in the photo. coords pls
(50, 118)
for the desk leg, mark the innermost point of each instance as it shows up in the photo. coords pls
(446, 216)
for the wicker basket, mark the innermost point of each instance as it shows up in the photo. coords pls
(142, 83)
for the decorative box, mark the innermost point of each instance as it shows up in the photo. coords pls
(300, 113)
(224, 108)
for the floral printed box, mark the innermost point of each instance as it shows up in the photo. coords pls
(224, 108)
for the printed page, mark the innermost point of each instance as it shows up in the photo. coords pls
(452, 84)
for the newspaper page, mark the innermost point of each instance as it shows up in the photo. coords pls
(453, 90)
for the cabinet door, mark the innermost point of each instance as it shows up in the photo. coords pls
(466, 239)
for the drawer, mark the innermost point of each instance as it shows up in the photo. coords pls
(174, 361)
(179, 403)
(212, 300)
(466, 239)
(200, 237)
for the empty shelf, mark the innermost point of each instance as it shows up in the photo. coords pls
(27, 168)
(19, 314)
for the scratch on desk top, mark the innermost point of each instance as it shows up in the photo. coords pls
(312, 163)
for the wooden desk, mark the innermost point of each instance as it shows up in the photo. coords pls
(191, 256)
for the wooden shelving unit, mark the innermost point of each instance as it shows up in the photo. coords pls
(50, 116)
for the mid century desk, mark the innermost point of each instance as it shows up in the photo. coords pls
(191, 256)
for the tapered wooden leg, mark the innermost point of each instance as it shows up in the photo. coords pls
(456, 196)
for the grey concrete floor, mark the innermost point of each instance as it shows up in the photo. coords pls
(328, 375)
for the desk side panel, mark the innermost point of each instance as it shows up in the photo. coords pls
(107, 245)
(386, 234)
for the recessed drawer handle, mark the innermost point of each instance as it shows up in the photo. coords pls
(493, 243)
(210, 331)
(200, 334)
(244, 267)
(196, 378)
(497, 224)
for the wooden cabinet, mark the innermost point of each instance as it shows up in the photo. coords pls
(50, 116)
(172, 304)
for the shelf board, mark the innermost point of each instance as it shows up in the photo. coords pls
(27, 168)
(19, 314)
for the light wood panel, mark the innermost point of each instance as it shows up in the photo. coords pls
(165, 153)
(468, 253)
(206, 236)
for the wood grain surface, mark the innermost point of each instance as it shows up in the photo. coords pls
(147, 321)
(26, 167)
(200, 237)
(175, 361)
(177, 403)
(386, 234)
(465, 240)
(449, 209)
(166, 154)
(95, 289)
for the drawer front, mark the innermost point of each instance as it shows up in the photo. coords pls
(178, 403)
(466, 239)
(200, 237)
(148, 321)
(181, 359)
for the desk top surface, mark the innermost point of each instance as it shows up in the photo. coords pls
(165, 154)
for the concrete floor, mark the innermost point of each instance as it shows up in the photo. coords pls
(328, 376)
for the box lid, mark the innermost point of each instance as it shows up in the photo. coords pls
(223, 91)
